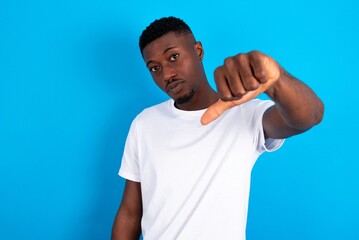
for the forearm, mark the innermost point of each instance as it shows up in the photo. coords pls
(296, 103)
(126, 227)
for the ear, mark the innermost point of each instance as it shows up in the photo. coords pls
(199, 49)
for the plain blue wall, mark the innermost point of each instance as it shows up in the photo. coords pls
(72, 79)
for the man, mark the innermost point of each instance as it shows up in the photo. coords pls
(187, 161)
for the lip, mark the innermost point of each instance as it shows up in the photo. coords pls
(175, 86)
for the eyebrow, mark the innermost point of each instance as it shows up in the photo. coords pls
(166, 50)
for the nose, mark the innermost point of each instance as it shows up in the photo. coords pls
(168, 72)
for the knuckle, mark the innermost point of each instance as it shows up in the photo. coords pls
(239, 93)
(241, 56)
(217, 71)
(229, 61)
(261, 75)
(225, 97)
(252, 84)
(255, 53)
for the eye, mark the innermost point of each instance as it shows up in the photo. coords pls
(174, 57)
(154, 68)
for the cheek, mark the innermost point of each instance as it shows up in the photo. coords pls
(159, 83)
(193, 69)
(189, 67)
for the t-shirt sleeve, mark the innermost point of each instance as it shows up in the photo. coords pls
(264, 144)
(130, 163)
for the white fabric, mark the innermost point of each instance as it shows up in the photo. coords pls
(195, 179)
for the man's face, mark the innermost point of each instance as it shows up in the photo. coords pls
(174, 62)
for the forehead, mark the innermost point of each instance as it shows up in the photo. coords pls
(169, 40)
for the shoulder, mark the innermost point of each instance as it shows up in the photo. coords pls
(251, 107)
(153, 112)
(257, 103)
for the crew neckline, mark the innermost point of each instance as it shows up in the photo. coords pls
(185, 113)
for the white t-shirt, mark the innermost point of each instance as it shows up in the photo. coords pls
(195, 179)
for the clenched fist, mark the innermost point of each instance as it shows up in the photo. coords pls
(240, 79)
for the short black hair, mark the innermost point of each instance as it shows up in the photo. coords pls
(160, 27)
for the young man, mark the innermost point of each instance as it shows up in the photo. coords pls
(188, 161)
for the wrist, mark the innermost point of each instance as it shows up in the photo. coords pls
(272, 91)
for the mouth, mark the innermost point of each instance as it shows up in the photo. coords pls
(175, 86)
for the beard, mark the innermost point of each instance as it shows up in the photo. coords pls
(185, 98)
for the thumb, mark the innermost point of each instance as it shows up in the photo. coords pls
(218, 108)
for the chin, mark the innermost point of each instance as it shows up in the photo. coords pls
(185, 98)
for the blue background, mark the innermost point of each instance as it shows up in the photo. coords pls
(72, 79)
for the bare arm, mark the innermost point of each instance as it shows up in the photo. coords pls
(297, 108)
(127, 225)
(244, 76)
